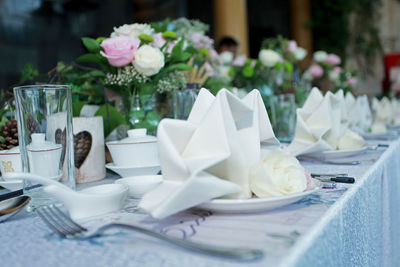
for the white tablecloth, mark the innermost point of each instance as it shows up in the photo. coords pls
(355, 225)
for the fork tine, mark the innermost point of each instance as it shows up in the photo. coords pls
(48, 222)
(68, 220)
(59, 220)
(61, 226)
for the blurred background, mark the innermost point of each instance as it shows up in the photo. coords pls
(365, 33)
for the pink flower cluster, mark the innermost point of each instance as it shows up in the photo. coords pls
(333, 59)
(120, 51)
(316, 71)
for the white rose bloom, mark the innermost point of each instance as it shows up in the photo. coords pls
(132, 30)
(320, 56)
(350, 140)
(148, 60)
(300, 53)
(269, 57)
(226, 57)
(223, 72)
(277, 174)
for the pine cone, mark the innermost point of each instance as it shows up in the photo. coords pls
(10, 133)
(82, 146)
(33, 125)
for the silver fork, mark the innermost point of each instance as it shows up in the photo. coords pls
(65, 227)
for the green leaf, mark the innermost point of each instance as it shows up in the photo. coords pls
(3, 121)
(248, 71)
(170, 35)
(177, 67)
(185, 56)
(97, 73)
(146, 38)
(91, 45)
(91, 58)
(99, 40)
(77, 107)
(28, 73)
(2, 139)
(204, 52)
(114, 120)
(177, 50)
(288, 67)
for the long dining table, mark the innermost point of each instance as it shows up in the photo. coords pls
(347, 225)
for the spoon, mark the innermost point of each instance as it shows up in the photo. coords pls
(17, 204)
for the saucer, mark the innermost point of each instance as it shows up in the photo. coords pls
(126, 171)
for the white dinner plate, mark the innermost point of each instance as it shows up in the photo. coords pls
(126, 171)
(334, 154)
(257, 204)
(379, 136)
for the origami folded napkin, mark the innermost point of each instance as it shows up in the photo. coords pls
(383, 110)
(358, 113)
(319, 123)
(209, 155)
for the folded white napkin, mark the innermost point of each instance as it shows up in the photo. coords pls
(383, 110)
(395, 119)
(209, 155)
(319, 123)
(358, 113)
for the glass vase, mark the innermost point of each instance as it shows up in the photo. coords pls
(143, 113)
(183, 101)
(283, 116)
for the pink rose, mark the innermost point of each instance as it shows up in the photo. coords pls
(332, 59)
(158, 40)
(239, 61)
(352, 81)
(292, 45)
(120, 51)
(316, 71)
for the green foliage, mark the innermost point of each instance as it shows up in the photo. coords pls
(111, 118)
(145, 38)
(77, 107)
(332, 31)
(91, 45)
(160, 26)
(28, 73)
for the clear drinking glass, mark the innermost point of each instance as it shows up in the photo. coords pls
(44, 115)
(184, 100)
(283, 116)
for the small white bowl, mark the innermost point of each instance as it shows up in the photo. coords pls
(140, 185)
(137, 150)
(127, 171)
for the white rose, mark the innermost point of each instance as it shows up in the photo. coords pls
(350, 140)
(223, 72)
(277, 174)
(226, 57)
(300, 53)
(148, 60)
(378, 128)
(333, 75)
(320, 56)
(269, 57)
(132, 30)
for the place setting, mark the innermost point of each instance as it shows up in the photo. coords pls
(176, 142)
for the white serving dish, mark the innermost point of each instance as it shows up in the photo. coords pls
(127, 171)
(137, 150)
(140, 185)
(257, 204)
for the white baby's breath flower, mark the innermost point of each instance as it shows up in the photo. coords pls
(132, 30)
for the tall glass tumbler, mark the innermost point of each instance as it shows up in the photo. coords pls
(44, 115)
(184, 101)
(283, 117)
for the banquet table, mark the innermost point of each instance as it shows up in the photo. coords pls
(351, 225)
